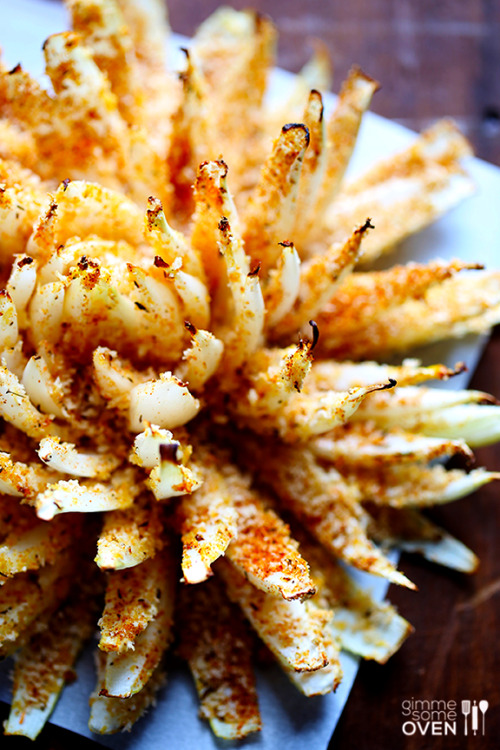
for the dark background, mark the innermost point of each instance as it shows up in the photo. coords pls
(433, 59)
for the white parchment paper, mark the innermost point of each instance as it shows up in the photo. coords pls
(289, 720)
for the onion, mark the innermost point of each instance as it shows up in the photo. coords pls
(165, 402)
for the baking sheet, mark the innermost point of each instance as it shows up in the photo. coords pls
(471, 232)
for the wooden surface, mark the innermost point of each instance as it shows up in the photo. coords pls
(433, 60)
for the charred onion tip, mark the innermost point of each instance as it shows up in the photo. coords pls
(169, 452)
(255, 270)
(65, 183)
(315, 333)
(297, 125)
(390, 384)
(220, 163)
(223, 224)
(190, 327)
(473, 267)
(367, 225)
(159, 262)
(315, 94)
(285, 243)
(17, 68)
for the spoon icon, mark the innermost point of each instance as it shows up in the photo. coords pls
(483, 707)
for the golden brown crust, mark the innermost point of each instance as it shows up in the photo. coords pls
(139, 367)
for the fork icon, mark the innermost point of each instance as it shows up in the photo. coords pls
(466, 712)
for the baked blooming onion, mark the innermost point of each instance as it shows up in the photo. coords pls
(200, 437)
